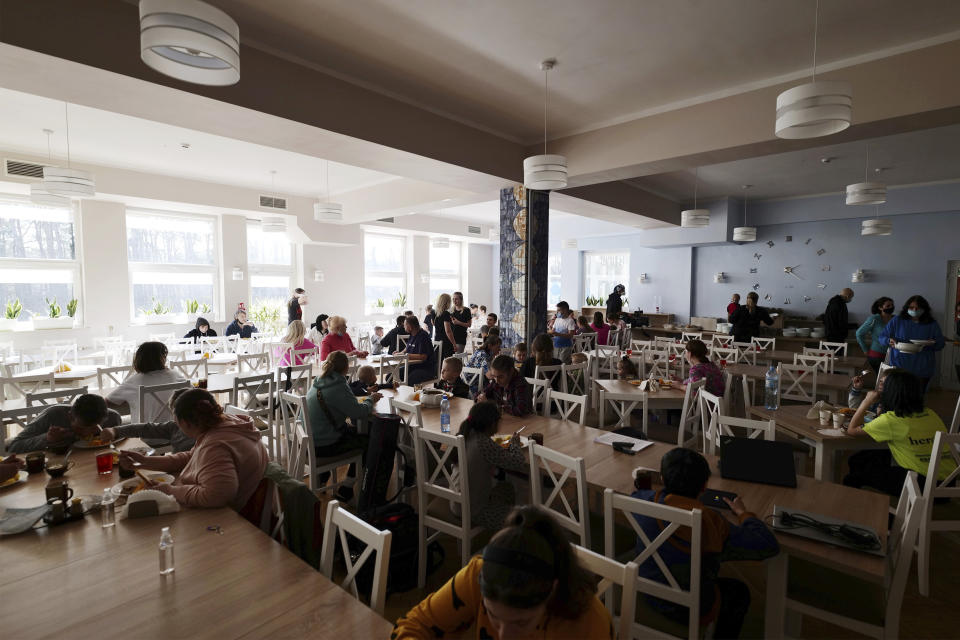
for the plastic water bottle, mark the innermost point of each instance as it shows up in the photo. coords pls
(771, 394)
(444, 414)
(166, 551)
(108, 516)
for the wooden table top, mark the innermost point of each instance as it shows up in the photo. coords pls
(793, 418)
(77, 373)
(665, 398)
(93, 582)
(608, 468)
(759, 372)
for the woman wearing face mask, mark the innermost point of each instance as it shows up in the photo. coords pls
(526, 584)
(746, 319)
(915, 322)
(881, 312)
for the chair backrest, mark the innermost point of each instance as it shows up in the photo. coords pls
(472, 376)
(300, 377)
(302, 356)
(753, 428)
(723, 354)
(161, 337)
(719, 340)
(214, 344)
(656, 363)
(393, 367)
(838, 348)
(112, 376)
(55, 355)
(747, 399)
(797, 382)
(612, 573)
(253, 362)
(765, 343)
(22, 385)
(955, 423)
(553, 374)
(614, 337)
(402, 341)
(662, 340)
(711, 408)
(690, 413)
(946, 446)
(543, 464)
(746, 353)
(687, 336)
(576, 378)
(59, 396)
(247, 392)
(437, 355)
(154, 401)
(19, 417)
(567, 403)
(409, 411)
(540, 394)
(606, 360)
(670, 520)
(900, 547)
(584, 342)
(823, 363)
(298, 436)
(639, 345)
(339, 523)
(623, 405)
(278, 352)
(190, 369)
(434, 454)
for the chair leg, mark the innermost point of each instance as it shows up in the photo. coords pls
(923, 563)
(422, 556)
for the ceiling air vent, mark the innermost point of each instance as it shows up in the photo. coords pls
(273, 202)
(474, 229)
(23, 169)
(387, 220)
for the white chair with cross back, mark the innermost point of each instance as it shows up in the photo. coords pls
(687, 336)
(623, 405)
(109, 377)
(153, 401)
(797, 382)
(948, 446)
(723, 356)
(765, 344)
(253, 363)
(190, 369)
(49, 398)
(253, 396)
(724, 426)
(719, 340)
(473, 378)
(612, 574)
(22, 385)
(690, 415)
(746, 353)
(824, 364)
(711, 408)
(19, 417)
(671, 521)
(543, 464)
(567, 403)
(540, 395)
(576, 378)
(839, 348)
(299, 376)
(339, 523)
(412, 416)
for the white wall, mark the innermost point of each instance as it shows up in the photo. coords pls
(480, 287)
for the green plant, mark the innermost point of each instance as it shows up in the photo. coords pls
(593, 301)
(13, 309)
(72, 307)
(159, 308)
(400, 300)
(267, 315)
(380, 304)
(190, 306)
(204, 307)
(53, 309)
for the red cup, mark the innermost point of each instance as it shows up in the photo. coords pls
(629, 352)
(723, 364)
(105, 463)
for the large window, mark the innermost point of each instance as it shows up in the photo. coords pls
(270, 262)
(445, 269)
(603, 271)
(37, 256)
(553, 281)
(384, 271)
(172, 262)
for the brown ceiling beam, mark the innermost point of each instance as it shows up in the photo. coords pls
(627, 197)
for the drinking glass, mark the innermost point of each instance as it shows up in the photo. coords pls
(105, 463)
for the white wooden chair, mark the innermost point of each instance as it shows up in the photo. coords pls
(824, 364)
(393, 368)
(402, 341)
(721, 340)
(623, 405)
(711, 408)
(154, 401)
(567, 403)
(612, 574)
(278, 351)
(614, 337)
(671, 520)
(817, 585)
(108, 377)
(22, 385)
(656, 364)
(661, 341)
(473, 378)
(955, 423)
(19, 417)
(437, 484)
(214, 344)
(339, 523)
(56, 355)
(576, 378)
(933, 489)
(190, 369)
(584, 342)
(725, 355)
(676, 359)
(253, 396)
(299, 376)
(640, 345)
(252, 363)
(724, 426)
(161, 337)
(687, 336)
(303, 356)
(411, 414)
(797, 382)
(690, 414)
(540, 395)
(49, 398)
(838, 348)
(438, 356)
(765, 344)
(746, 353)
(543, 464)
(747, 383)
(302, 458)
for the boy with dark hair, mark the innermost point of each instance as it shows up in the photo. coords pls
(724, 600)
(366, 382)
(450, 380)
(389, 341)
(63, 424)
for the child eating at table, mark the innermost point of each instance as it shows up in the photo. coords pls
(520, 352)
(626, 369)
(366, 382)
(578, 358)
(62, 424)
(450, 380)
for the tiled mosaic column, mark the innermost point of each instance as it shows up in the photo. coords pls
(524, 244)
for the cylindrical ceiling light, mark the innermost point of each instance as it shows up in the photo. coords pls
(190, 40)
(67, 181)
(548, 171)
(440, 243)
(273, 225)
(866, 192)
(876, 227)
(817, 108)
(745, 233)
(695, 218)
(40, 195)
(326, 211)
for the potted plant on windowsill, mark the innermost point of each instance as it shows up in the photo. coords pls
(399, 303)
(54, 319)
(11, 314)
(159, 313)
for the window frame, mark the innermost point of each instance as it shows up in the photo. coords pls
(213, 269)
(584, 275)
(368, 307)
(558, 277)
(460, 269)
(261, 269)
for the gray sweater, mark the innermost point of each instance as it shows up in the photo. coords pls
(168, 431)
(34, 435)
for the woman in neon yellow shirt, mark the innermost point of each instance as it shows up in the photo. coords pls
(908, 429)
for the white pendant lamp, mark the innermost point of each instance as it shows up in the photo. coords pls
(68, 182)
(274, 225)
(817, 108)
(39, 193)
(440, 243)
(191, 41)
(745, 233)
(876, 226)
(327, 211)
(548, 171)
(695, 218)
(866, 192)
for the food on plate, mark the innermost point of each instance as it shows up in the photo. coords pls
(63, 367)
(847, 411)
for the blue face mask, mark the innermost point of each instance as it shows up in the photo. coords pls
(914, 312)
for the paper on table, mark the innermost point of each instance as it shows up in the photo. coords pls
(832, 432)
(19, 520)
(610, 438)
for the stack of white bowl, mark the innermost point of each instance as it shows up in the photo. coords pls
(803, 332)
(789, 332)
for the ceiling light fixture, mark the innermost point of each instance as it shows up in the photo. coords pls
(327, 211)
(695, 218)
(440, 243)
(68, 182)
(545, 172)
(817, 108)
(191, 41)
(876, 226)
(745, 233)
(38, 191)
(273, 224)
(866, 192)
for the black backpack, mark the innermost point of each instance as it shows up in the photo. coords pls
(381, 452)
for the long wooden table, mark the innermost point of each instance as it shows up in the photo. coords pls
(792, 420)
(84, 581)
(606, 467)
(834, 385)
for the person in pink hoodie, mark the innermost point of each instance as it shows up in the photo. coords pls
(224, 467)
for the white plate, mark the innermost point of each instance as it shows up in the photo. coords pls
(908, 347)
(156, 476)
(17, 479)
(82, 444)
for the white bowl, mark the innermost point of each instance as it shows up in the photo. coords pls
(789, 333)
(803, 332)
(668, 326)
(923, 342)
